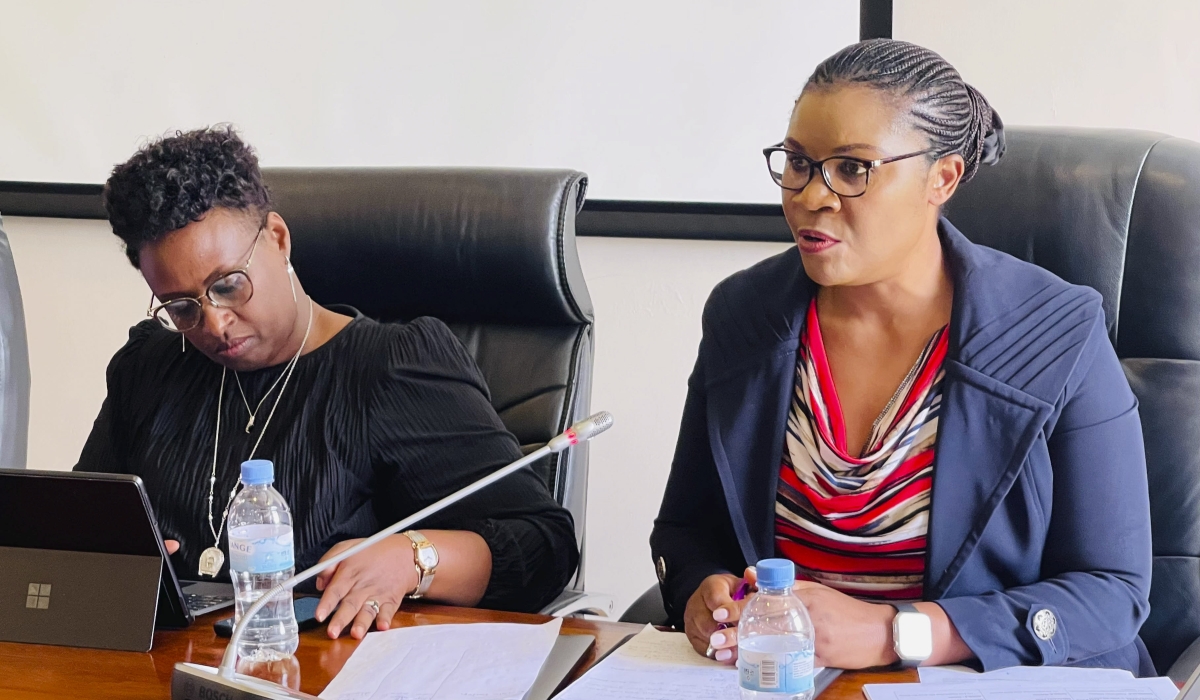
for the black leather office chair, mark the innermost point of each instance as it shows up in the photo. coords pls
(492, 253)
(14, 364)
(1119, 211)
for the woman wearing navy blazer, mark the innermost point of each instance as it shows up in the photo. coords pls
(918, 422)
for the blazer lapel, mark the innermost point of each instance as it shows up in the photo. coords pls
(750, 389)
(969, 483)
(747, 416)
(977, 410)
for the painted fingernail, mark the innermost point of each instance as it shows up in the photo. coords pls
(720, 614)
(716, 639)
(724, 655)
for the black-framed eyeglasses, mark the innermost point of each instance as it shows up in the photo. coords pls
(845, 176)
(229, 291)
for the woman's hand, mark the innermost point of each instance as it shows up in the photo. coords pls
(383, 573)
(850, 633)
(713, 605)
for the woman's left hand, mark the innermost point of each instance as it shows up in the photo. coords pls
(850, 633)
(383, 573)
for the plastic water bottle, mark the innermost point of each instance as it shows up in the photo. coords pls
(775, 638)
(261, 556)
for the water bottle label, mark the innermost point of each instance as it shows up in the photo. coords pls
(261, 549)
(773, 672)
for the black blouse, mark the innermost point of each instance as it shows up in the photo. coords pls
(377, 423)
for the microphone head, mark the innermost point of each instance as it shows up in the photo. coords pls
(582, 431)
(593, 425)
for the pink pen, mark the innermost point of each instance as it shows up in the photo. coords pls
(739, 594)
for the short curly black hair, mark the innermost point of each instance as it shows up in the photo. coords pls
(177, 179)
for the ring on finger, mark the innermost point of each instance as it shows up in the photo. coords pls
(711, 653)
(373, 605)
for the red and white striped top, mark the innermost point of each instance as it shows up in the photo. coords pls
(858, 524)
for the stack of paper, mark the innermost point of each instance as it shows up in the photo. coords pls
(1038, 683)
(661, 666)
(655, 666)
(484, 661)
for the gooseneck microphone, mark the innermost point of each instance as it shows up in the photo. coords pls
(192, 681)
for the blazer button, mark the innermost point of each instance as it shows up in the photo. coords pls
(1045, 624)
(660, 567)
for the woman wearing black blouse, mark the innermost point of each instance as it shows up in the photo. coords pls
(366, 422)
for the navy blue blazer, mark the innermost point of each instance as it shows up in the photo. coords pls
(1039, 495)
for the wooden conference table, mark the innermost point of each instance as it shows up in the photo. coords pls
(29, 671)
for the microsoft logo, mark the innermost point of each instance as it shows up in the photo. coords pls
(38, 596)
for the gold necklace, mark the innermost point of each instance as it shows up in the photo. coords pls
(908, 378)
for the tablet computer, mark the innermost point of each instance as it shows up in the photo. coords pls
(82, 563)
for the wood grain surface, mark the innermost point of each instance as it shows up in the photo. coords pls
(29, 671)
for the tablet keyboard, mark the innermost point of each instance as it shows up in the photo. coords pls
(196, 603)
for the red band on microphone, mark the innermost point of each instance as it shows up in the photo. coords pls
(572, 436)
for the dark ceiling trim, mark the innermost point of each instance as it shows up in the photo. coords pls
(874, 19)
(52, 199)
(613, 218)
(704, 221)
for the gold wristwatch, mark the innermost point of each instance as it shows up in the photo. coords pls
(425, 558)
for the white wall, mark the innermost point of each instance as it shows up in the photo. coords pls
(655, 99)
(1100, 63)
(648, 296)
(81, 295)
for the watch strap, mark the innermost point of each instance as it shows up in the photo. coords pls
(904, 608)
(424, 575)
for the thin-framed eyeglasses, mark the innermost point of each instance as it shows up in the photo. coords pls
(845, 176)
(228, 291)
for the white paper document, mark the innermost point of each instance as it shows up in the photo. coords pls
(656, 666)
(1021, 683)
(1040, 674)
(482, 661)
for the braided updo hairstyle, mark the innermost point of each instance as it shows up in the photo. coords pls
(953, 114)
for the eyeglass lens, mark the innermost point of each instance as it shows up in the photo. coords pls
(845, 176)
(230, 291)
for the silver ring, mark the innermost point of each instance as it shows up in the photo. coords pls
(372, 605)
(711, 653)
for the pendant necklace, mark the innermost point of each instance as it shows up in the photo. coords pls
(900, 391)
(212, 558)
(254, 413)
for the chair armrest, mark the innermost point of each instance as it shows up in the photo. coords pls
(1186, 664)
(571, 602)
(648, 609)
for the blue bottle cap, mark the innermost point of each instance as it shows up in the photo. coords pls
(258, 471)
(776, 573)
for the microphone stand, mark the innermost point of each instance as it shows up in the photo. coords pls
(196, 682)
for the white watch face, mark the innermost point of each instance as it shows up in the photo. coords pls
(913, 633)
(428, 557)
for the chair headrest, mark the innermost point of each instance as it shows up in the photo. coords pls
(1061, 198)
(462, 244)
